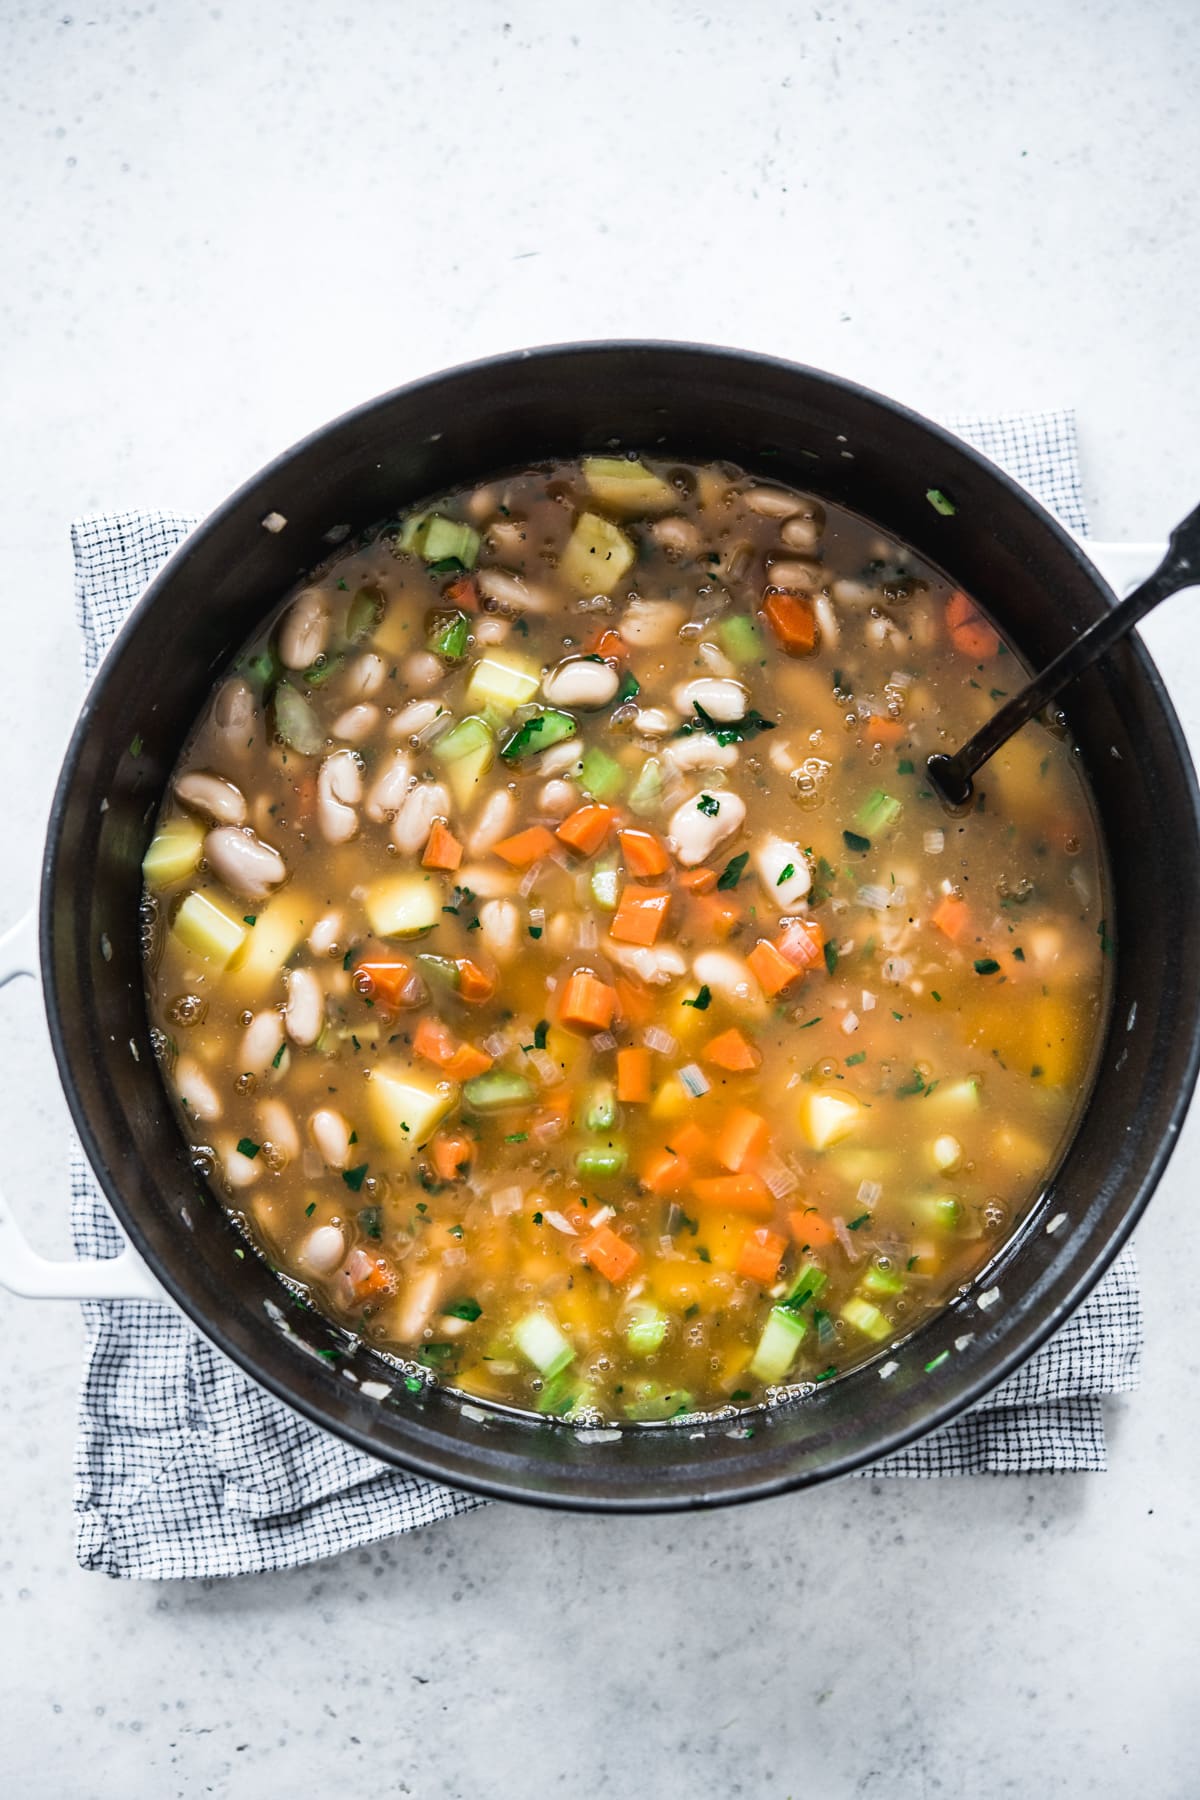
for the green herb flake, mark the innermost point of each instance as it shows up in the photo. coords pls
(517, 1137)
(135, 748)
(278, 1056)
(1018, 953)
(986, 965)
(935, 995)
(904, 766)
(853, 840)
(540, 1033)
(414, 1384)
(915, 1086)
(936, 1361)
(310, 1209)
(1106, 943)
(940, 502)
(733, 871)
(785, 874)
(537, 1218)
(703, 999)
(370, 1219)
(827, 1374)
(535, 931)
(249, 918)
(703, 1254)
(857, 1224)
(469, 1310)
(247, 1147)
(858, 1057)
(809, 1022)
(629, 689)
(831, 958)
(355, 1177)
(709, 806)
(456, 1231)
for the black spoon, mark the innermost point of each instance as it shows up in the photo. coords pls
(1180, 568)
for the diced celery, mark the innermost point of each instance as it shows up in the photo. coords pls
(502, 682)
(407, 1105)
(652, 1402)
(645, 795)
(866, 1318)
(296, 722)
(600, 774)
(538, 732)
(448, 638)
(446, 540)
(468, 750)
(600, 1109)
(646, 1330)
(741, 639)
(441, 972)
(596, 556)
(942, 1211)
(879, 812)
(364, 614)
(882, 1281)
(560, 1397)
(539, 1338)
(174, 852)
(781, 1338)
(209, 928)
(412, 532)
(496, 1090)
(601, 1164)
(626, 484)
(605, 884)
(404, 906)
(807, 1285)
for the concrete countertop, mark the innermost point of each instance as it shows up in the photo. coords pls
(224, 224)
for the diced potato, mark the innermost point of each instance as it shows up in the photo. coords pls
(404, 906)
(826, 1118)
(209, 929)
(407, 1105)
(503, 682)
(627, 486)
(596, 556)
(278, 927)
(174, 853)
(672, 1100)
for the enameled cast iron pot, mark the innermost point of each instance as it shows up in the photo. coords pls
(788, 424)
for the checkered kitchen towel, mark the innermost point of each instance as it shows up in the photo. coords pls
(186, 1468)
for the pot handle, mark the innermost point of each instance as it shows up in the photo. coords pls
(23, 1270)
(1122, 565)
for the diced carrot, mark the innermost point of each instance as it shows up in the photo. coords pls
(643, 853)
(808, 1227)
(452, 1154)
(377, 1279)
(607, 643)
(951, 916)
(635, 1003)
(305, 790)
(692, 1143)
(587, 1002)
(611, 1256)
(743, 1136)
(433, 1041)
(467, 1062)
(803, 943)
(641, 915)
(463, 592)
(633, 1075)
(714, 915)
(793, 621)
(586, 828)
(663, 1172)
(969, 631)
(383, 981)
(698, 881)
(475, 985)
(442, 849)
(525, 847)
(736, 1193)
(882, 730)
(731, 1050)
(761, 1255)
(773, 971)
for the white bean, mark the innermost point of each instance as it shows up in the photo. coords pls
(304, 634)
(578, 682)
(513, 592)
(724, 701)
(492, 629)
(417, 1305)
(856, 593)
(714, 658)
(560, 931)
(415, 718)
(796, 577)
(240, 1171)
(654, 963)
(321, 1251)
(243, 862)
(279, 1128)
(389, 787)
(428, 801)
(339, 790)
(488, 881)
(771, 857)
(728, 976)
(365, 676)
(769, 502)
(494, 821)
(261, 1042)
(827, 622)
(558, 759)
(421, 670)
(703, 822)
(325, 936)
(651, 622)
(330, 1132)
(676, 535)
(656, 721)
(218, 799)
(235, 713)
(701, 751)
(196, 1091)
(305, 1009)
(356, 724)
(556, 798)
(506, 537)
(500, 928)
(803, 530)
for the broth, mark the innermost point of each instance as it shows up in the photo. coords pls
(564, 970)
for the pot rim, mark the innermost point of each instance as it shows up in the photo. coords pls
(722, 1489)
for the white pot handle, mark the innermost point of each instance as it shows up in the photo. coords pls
(22, 1269)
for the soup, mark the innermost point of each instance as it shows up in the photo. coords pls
(565, 971)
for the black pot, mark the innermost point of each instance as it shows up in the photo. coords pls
(786, 423)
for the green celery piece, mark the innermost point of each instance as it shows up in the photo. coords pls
(646, 1330)
(741, 639)
(539, 1338)
(808, 1284)
(781, 1338)
(440, 972)
(882, 1282)
(448, 639)
(652, 1402)
(596, 1164)
(296, 722)
(496, 1090)
(539, 732)
(600, 1111)
(445, 538)
(605, 885)
(463, 739)
(879, 812)
(601, 775)
(645, 795)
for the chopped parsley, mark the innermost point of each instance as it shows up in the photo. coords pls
(986, 965)
(831, 957)
(915, 1086)
(904, 766)
(629, 689)
(535, 931)
(355, 1177)
(785, 874)
(278, 1056)
(703, 999)
(1018, 953)
(827, 1374)
(858, 1057)
(733, 871)
(853, 840)
(249, 918)
(371, 1220)
(517, 1137)
(709, 806)
(857, 1224)
(310, 1209)
(1106, 942)
(809, 1022)
(540, 1033)
(247, 1147)
(464, 1309)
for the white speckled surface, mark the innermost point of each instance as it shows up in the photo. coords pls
(223, 224)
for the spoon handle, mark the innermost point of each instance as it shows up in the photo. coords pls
(1179, 568)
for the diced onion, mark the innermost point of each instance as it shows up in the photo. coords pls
(896, 969)
(586, 934)
(603, 1216)
(870, 1193)
(560, 1223)
(694, 1080)
(900, 678)
(935, 842)
(655, 1038)
(545, 1067)
(868, 1001)
(496, 1044)
(529, 880)
(604, 1041)
(850, 1023)
(537, 917)
(778, 1177)
(507, 1200)
(875, 897)
(842, 1232)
